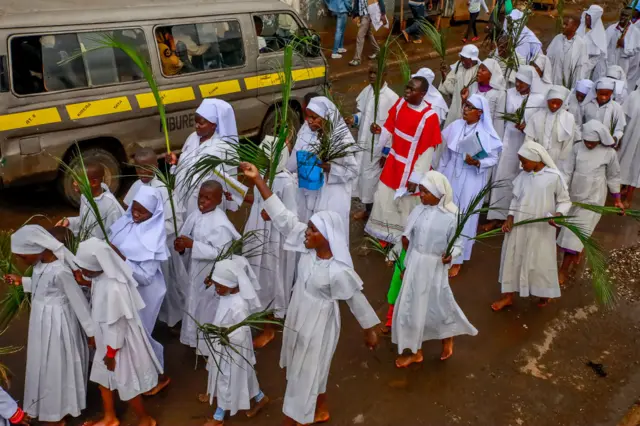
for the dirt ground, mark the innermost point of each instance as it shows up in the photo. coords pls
(527, 366)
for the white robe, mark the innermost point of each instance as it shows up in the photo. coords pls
(606, 114)
(567, 58)
(173, 269)
(555, 132)
(457, 78)
(425, 308)
(8, 407)
(496, 98)
(110, 211)
(629, 153)
(465, 180)
(57, 352)
(119, 326)
(589, 172)
(577, 110)
(509, 165)
(509, 75)
(274, 267)
(232, 377)
(627, 57)
(528, 261)
(312, 327)
(370, 170)
(210, 233)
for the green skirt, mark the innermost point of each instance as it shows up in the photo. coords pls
(396, 280)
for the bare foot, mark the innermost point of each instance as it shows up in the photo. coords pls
(562, 277)
(454, 270)
(322, 416)
(543, 301)
(267, 335)
(501, 304)
(214, 422)
(102, 422)
(403, 361)
(491, 225)
(626, 204)
(161, 385)
(257, 407)
(361, 215)
(385, 330)
(203, 397)
(447, 349)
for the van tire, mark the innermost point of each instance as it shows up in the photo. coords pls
(270, 121)
(113, 172)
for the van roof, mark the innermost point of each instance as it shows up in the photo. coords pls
(37, 13)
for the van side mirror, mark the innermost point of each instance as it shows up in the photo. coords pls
(311, 46)
(4, 74)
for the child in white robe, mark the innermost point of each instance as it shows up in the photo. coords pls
(492, 86)
(553, 127)
(605, 110)
(108, 206)
(538, 191)
(425, 308)
(629, 153)
(580, 96)
(174, 270)
(57, 352)
(124, 360)
(312, 328)
(206, 232)
(466, 174)
(592, 30)
(590, 170)
(10, 412)
(232, 376)
(141, 241)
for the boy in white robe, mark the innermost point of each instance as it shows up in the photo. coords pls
(425, 308)
(590, 170)
(174, 270)
(86, 224)
(124, 360)
(629, 152)
(553, 127)
(580, 96)
(592, 31)
(141, 240)
(57, 352)
(567, 53)
(10, 412)
(468, 171)
(528, 46)
(232, 376)
(205, 233)
(538, 191)
(456, 79)
(605, 110)
(312, 328)
(623, 45)
(369, 158)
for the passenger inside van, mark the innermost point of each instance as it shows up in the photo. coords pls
(171, 63)
(259, 25)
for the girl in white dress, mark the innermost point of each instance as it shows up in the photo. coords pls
(425, 308)
(232, 377)
(57, 352)
(140, 239)
(605, 109)
(590, 170)
(312, 328)
(124, 360)
(528, 264)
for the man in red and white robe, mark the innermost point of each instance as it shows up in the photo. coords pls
(410, 135)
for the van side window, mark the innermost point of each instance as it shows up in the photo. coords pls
(4, 74)
(192, 48)
(50, 63)
(274, 31)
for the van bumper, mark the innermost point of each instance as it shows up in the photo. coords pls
(19, 170)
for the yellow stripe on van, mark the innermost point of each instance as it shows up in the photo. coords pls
(308, 73)
(38, 117)
(99, 107)
(172, 96)
(264, 80)
(219, 88)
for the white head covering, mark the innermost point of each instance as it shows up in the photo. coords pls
(526, 74)
(559, 92)
(543, 62)
(34, 239)
(146, 240)
(237, 272)
(615, 72)
(535, 152)
(594, 130)
(497, 81)
(322, 106)
(588, 88)
(606, 83)
(470, 51)
(332, 228)
(486, 123)
(434, 97)
(596, 39)
(438, 184)
(221, 114)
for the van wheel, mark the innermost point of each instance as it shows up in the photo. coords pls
(270, 122)
(112, 173)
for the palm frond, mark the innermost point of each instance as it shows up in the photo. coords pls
(518, 116)
(514, 36)
(613, 125)
(437, 38)
(605, 210)
(15, 299)
(381, 66)
(201, 170)
(337, 100)
(168, 181)
(334, 141)
(386, 250)
(560, 18)
(569, 81)
(4, 371)
(249, 245)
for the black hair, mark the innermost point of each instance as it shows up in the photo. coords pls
(309, 96)
(423, 82)
(212, 184)
(94, 167)
(144, 153)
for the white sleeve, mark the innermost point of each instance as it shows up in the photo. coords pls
(563, 202)
(613, 174)
(204, 251)
(74, 224)
(8, 405)
(26, 284)
(422, 165)
(362, 310)
(287, 223)
(113, 334)
(343, 170)
(77, 300)
(143, 272)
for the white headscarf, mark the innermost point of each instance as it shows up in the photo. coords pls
(438, 184)
(588, 88)
(142, 241)
(221, 114)
(535, 152)
(497, 81)
(606, 83)
(434, 97)
(34, 239)
(526, 36)
(543, 62)
(593, 131)
(470, 51)
(596, 39)
(526, 74)
(237, 272)
(562, 117)
(323, 106)
(559, 92)
(486, 123)
(332, 228)
(616, 73)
